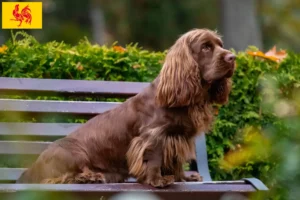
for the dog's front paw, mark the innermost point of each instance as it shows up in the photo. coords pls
(195, 177)
(162, 181)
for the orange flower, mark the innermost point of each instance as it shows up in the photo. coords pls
(216, 110)
(136, 66)
(119, 49)
(272, 54)
(3, 49)
(79, 67)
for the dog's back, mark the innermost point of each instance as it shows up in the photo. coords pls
(100, 144)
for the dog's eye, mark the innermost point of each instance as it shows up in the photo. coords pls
(206, 47)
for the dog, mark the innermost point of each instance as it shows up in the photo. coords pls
(152, 134)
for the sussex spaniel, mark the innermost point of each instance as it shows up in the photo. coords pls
(151, 135)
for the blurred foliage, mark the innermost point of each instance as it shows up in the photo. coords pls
(255, 134)
(154, 24)
(280, 22)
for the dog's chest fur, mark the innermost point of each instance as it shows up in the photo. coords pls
(179, 140)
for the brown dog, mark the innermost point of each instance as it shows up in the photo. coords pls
(151, 135)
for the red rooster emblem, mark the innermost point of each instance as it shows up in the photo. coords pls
(25, 14)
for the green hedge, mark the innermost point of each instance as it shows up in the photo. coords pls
(26, 57)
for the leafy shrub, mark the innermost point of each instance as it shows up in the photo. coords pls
(30, 59)
(247, 121)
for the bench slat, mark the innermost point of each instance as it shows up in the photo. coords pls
(37, 129)
(186, 187)
(12, 174)
(177, 191)
(45, 106)
(27, 86)
(22, 147)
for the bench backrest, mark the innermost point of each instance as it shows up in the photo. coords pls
(22, 140)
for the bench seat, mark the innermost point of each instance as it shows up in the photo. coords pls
(23, 140)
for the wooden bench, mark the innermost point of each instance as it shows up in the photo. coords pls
(23, 141)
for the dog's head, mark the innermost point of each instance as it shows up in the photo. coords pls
(196, 64)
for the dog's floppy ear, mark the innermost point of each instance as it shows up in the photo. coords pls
(179, 78)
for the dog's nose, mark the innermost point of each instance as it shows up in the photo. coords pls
(229, 58)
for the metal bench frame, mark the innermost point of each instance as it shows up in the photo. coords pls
(207, 189)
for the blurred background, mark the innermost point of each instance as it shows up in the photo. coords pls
(155, 24)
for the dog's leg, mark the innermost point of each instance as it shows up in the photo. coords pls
(181, 177)
(86, 176)
(194, 177)
(112, 177)
(145, 162)
(66, 178)
(153, 175)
